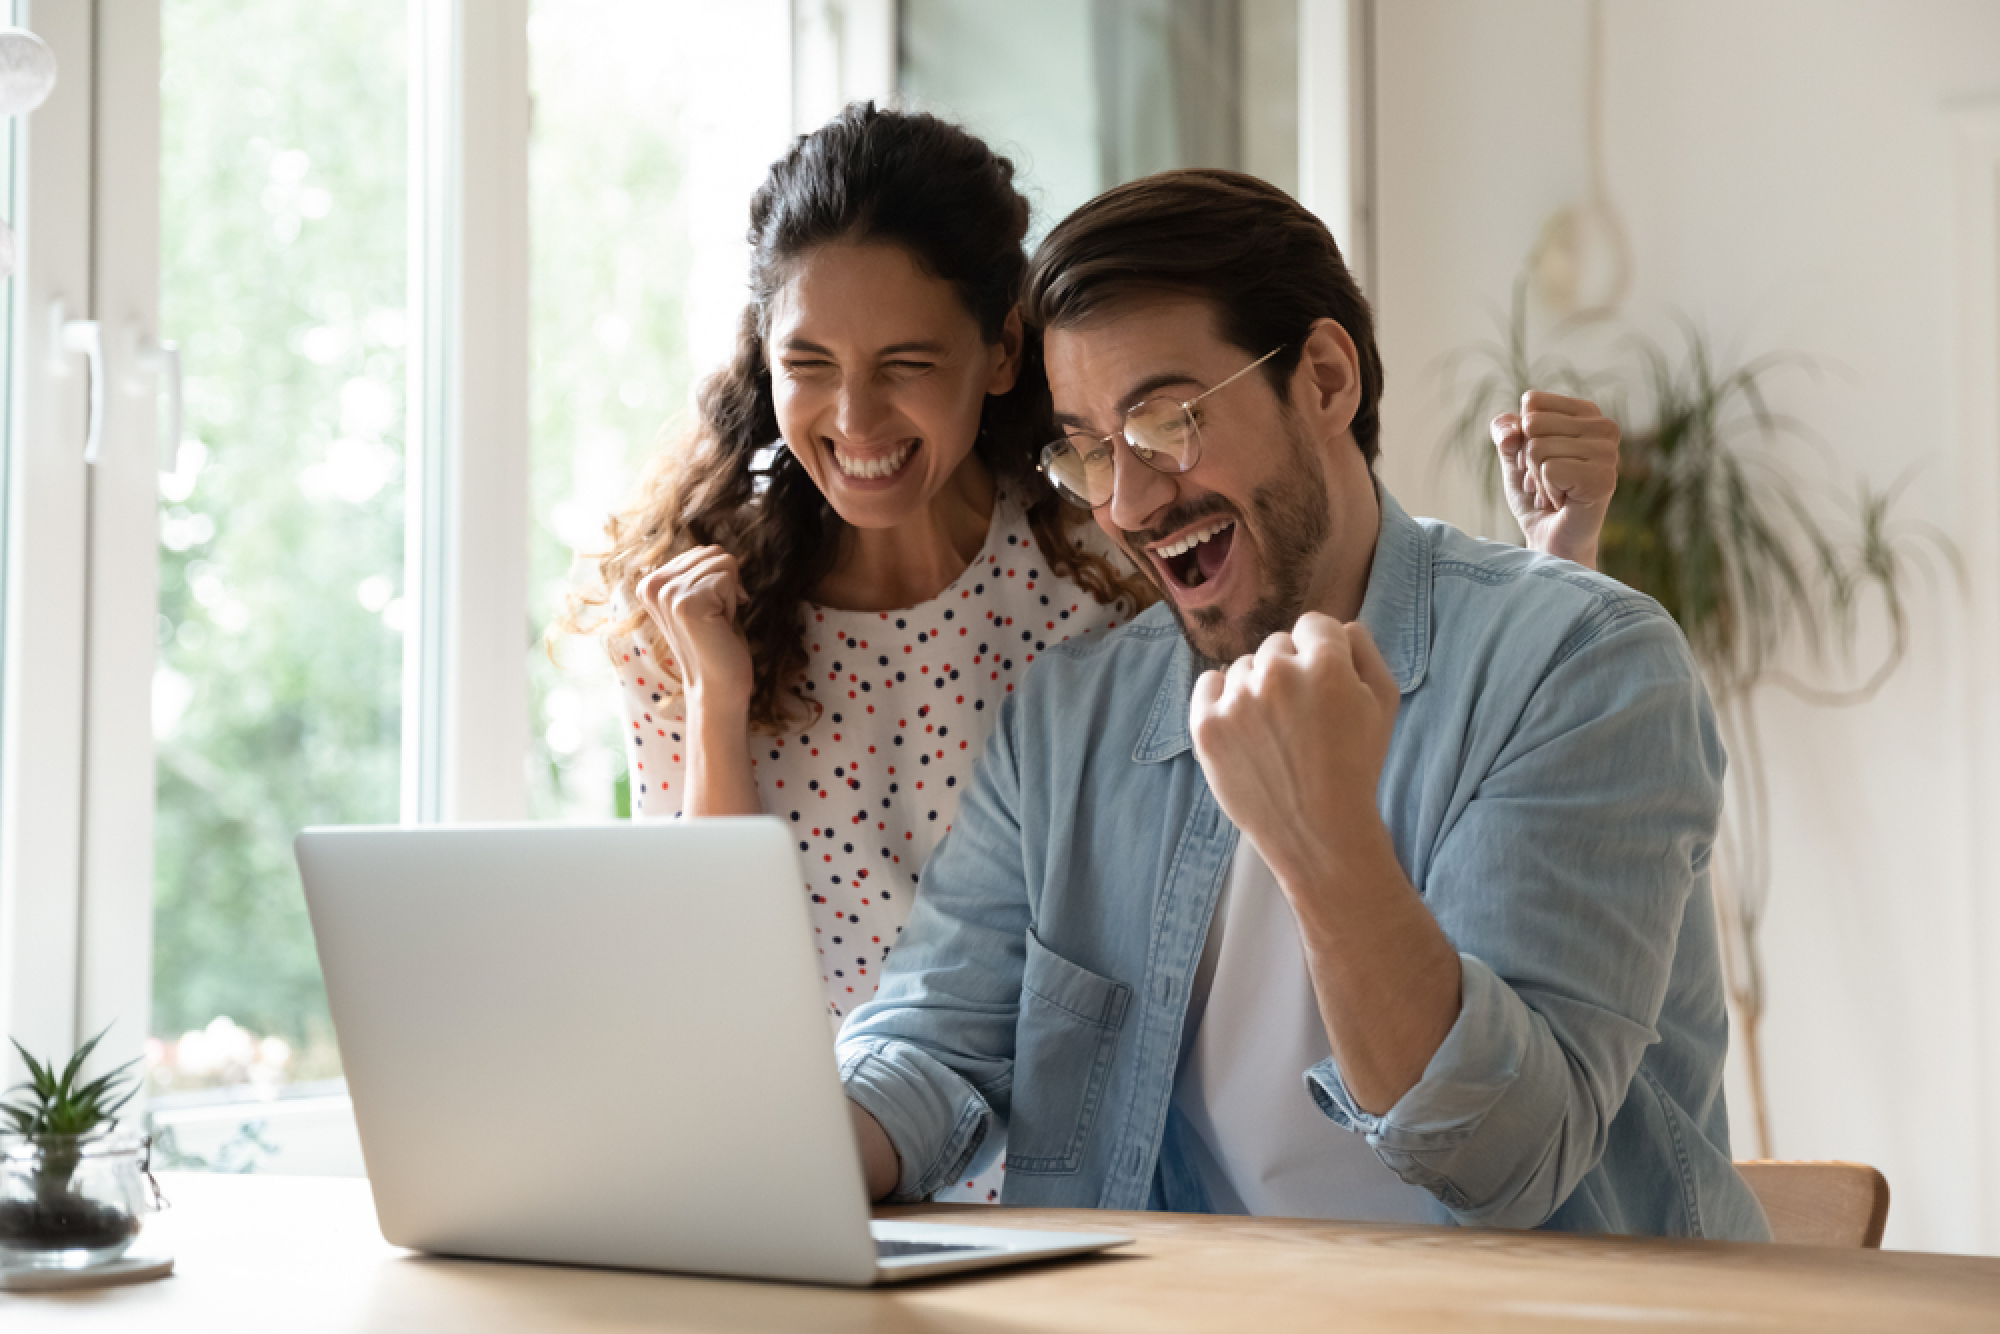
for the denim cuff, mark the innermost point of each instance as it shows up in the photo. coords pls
(1470, 1071)
(934, 1118)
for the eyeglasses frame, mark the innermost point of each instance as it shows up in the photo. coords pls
(1119, 437)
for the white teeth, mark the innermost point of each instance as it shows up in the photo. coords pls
(1192, 540)
(871, 468)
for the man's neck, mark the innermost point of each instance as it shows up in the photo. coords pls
(1349, 557)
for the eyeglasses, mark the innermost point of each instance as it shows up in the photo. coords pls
(1162, 433)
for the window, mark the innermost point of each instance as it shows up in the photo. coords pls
(644, 154)
(277, 693)
(1085, 96)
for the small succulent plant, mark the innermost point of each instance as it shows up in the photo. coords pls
(57, 1112)
(56, 1104)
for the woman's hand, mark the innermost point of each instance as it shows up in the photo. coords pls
(1559, 464)
(692, 600)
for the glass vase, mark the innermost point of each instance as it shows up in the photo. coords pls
(72, 1201)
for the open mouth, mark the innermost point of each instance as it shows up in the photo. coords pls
(1197, 557)
(874, 467)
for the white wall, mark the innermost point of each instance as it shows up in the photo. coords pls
(1786, 170)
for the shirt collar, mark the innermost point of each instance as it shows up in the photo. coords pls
(1396, 609)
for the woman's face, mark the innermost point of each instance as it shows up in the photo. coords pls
(879, 373)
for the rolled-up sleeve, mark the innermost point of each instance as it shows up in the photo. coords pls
(1562, 885)
(931, 1056)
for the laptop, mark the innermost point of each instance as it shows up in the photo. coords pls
(607, 1045)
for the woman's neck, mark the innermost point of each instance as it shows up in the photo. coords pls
(883, 569)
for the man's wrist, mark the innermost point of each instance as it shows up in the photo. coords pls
(1322, 875)
(1584, 554)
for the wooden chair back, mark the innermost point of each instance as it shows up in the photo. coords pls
(1820, 1204)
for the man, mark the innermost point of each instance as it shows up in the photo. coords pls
(1367, 877)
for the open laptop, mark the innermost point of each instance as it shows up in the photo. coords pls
(607, 1045)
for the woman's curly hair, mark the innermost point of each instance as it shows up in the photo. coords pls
(905, 178)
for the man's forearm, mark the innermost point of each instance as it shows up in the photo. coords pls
(881, 1168)
(1385, 975)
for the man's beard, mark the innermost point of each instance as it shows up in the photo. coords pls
(1292, 521)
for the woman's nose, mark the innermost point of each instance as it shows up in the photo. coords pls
(862, 408)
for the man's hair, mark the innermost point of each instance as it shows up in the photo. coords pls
(1269, 267)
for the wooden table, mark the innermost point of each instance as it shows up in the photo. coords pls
(302, 1255)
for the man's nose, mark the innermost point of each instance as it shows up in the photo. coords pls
(1137, 491)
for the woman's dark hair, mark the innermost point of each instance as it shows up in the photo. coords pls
(904, 178)
(1269, 267)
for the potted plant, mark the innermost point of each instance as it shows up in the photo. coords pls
(72, 1190)
(1717, 516)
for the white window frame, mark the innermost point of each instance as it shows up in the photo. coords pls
(842, 51)
(465, 696)
(41, 773)
(1337, 126)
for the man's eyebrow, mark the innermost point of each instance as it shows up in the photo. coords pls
(1134, 396)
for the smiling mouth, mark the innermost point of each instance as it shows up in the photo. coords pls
(876, 467)
(1198, 556)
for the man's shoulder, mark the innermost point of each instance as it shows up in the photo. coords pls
(1522, 592)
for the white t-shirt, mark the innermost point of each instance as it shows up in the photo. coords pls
(1262, 1146)
(909, 698)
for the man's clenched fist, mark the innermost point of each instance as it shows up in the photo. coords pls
(1293, 739)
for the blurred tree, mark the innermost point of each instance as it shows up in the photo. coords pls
(277, 697)
(284, 232)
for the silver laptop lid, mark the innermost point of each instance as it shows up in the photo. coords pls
(596, 1045)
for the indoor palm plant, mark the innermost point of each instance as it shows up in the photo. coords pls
(72, 1190)
(1715, 519)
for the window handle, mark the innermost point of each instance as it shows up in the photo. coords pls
(67, 338)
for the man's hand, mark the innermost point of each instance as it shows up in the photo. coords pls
(1559, 464)
(692, 601)
(1293, 738)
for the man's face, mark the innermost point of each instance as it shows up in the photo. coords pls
(1274, 520)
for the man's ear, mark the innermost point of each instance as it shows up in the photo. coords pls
(1008, 368)
(1326, 388)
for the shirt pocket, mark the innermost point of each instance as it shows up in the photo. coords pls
(1066, 1041)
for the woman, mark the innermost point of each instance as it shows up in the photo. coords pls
(825, 631)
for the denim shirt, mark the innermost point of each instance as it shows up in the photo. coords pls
(1552, 789)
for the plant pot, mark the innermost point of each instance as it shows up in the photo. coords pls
(71, 1201)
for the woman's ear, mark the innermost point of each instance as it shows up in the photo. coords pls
(1326, 388)
(1007, 369)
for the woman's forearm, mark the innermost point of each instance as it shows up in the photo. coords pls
(718, 762)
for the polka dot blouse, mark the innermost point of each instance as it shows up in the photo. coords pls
(907, 700)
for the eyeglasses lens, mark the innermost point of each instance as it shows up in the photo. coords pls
(1161, 434)
(1080, 466)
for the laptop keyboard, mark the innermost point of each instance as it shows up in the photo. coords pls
(885, 1250)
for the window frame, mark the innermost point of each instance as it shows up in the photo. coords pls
(41, 767)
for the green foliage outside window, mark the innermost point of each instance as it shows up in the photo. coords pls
(277, 700)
